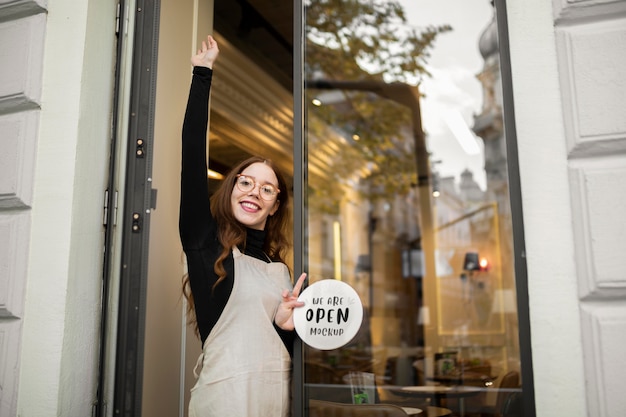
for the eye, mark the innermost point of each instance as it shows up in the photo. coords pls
(245, 182)
(268, 189)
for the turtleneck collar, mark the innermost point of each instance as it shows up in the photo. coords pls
(255, 238)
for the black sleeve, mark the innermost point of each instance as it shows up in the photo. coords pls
(288, 337)
(197, 227)
(195, 221)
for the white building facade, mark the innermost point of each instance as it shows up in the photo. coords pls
(57, 72)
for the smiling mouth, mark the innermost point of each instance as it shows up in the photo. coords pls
(251, 206)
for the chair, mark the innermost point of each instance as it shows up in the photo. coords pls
(514, 406)
(509, 381)
(319, 408)
(387, 397)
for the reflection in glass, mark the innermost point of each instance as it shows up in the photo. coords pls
(408, 203)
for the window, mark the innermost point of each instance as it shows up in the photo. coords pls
(406, 152)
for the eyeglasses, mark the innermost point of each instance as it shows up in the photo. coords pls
(247, 184)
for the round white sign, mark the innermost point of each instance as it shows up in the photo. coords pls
(331, 315)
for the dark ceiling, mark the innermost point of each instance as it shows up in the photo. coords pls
(263, 30)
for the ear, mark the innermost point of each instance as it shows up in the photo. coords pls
(275, 207)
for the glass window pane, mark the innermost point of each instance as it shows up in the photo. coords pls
(408, 203)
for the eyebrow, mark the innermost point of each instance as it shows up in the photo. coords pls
(265, 183)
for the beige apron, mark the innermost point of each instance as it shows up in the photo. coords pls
(245, 365)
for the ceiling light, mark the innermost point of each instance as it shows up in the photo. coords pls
(214, 175)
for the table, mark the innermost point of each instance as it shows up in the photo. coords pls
(466, 377)
(437, 392)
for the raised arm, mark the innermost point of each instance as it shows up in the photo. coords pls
(195, 222)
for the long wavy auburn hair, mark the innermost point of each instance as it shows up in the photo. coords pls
(232, 233)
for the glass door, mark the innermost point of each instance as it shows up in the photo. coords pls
(408, 203)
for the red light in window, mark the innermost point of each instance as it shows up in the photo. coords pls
(484, 264)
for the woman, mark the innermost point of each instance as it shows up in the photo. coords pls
(237, 281)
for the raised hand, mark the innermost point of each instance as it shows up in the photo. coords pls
(284, 314)
(206, 55)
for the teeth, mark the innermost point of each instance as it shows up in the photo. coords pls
(250, 205)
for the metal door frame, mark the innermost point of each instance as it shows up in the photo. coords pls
(139, 201)
(299, 192)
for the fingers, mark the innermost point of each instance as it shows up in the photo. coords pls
(290, 299)
(299, 284)
(211, 42)
(290, 304)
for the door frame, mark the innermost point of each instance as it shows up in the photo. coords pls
(139, 200)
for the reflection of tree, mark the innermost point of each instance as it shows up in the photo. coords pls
(344, 38)
(363, 40)
(384, 161)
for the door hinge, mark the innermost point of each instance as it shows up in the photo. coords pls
(119, 24)
(117, 18)
(105, 219)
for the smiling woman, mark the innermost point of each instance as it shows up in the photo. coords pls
(238, 286)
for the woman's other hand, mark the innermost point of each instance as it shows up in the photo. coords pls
(284, 315)
(207, 55)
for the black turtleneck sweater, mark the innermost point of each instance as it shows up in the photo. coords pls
(198, 228)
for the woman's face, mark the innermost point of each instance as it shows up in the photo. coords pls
(249, 208)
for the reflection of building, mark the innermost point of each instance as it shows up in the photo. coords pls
(469, 189)
(488, 123)
(489, 126)
(477, 221)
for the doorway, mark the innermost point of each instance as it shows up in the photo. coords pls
(423, 298)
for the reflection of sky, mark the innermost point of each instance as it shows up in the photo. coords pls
(453, 87)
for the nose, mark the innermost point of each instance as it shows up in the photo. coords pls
(256, 190)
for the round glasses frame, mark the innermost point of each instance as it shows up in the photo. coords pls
(246, 184)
